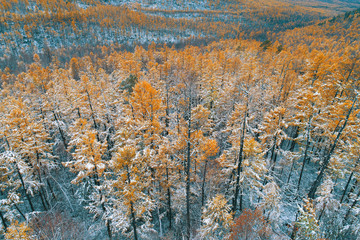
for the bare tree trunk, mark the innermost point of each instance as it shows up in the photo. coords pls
(188, 218)
(348, 182)
(167, 123)
(92, 114)
(3, 220)
(241, 200)
(352, 206)
(239, 166)
(133, 220)
(44, 202)
(169, 199)
(346, 187)
(305, 153)
(291, 169)
(60, 131)
(24, 187)
(51, 189)
(18, 209)
(293, 142)
(273, 158)
(203, 184)
(107, 222)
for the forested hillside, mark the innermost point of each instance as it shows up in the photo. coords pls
(63, 29)
(176, 120)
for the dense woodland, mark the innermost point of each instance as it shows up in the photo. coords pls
(64, 29)
(238, 138)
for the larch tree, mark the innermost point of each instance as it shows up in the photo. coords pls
(271, 203)
(147, 110)
(14, 178)
(130, 203)
(89, 164)
(19, 231)
(216, 219)
(273, 129)
(307, 226)
(325, 204)
(28, 139)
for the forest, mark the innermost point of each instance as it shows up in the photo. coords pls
(179, 120)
